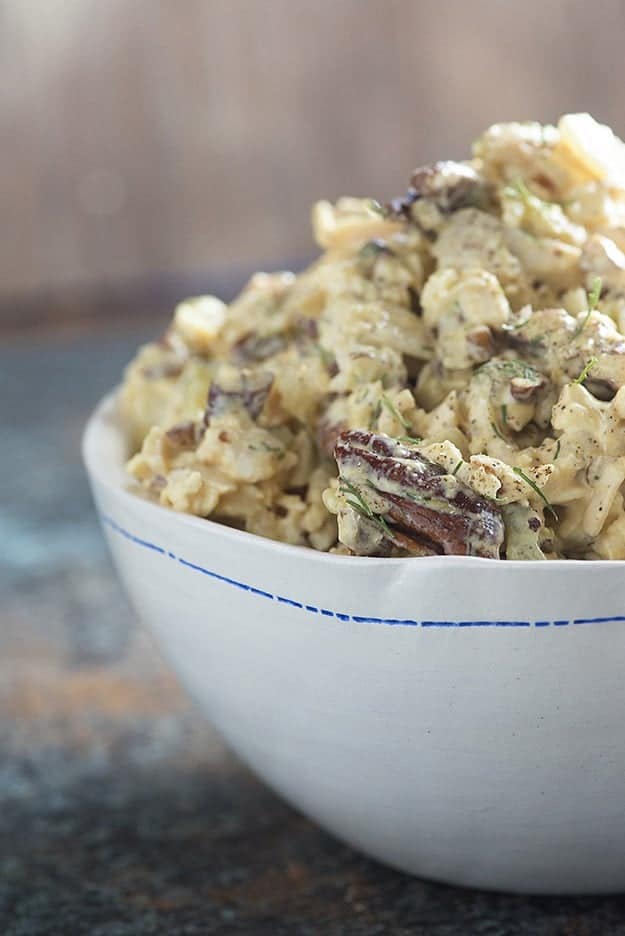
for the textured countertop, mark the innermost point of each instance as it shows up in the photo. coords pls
(121, 812)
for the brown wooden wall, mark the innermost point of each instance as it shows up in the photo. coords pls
(148, 137)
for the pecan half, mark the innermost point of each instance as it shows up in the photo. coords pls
(414, 502)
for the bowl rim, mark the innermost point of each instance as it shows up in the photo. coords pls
(99, 422)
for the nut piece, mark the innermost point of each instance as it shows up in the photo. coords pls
(413, 502)
(198, 321)
(182, 435)
(254, 347)
(451, 185)
(242, 390)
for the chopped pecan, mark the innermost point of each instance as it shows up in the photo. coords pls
(449, 185)
(183, 435)
(244, 390)
(306, 327)
(604, 390)
(254, 347)
(414, 501)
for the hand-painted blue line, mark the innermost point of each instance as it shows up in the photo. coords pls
(215, 575)
(259, 591)
(404, 622)
(289, 601)
(360, 619)
(475, 623)
(132, 537)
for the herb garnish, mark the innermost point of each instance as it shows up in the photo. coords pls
(512, 368)
(374, 248)
(520, 189)
(518, 325)
(374, 205)
(457, 468)
(504, 414)
(413, 439)
(497, 431)
(326, 356)
(557, 449)
(592, 300)
(587, 368)
(595, 293)
(394, 411)
(537, 490)
(361, 507)
(375, 415)
(265, 447)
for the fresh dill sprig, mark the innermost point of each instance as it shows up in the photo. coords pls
(265, 446)
(326, 356)
(537, 490)
(395, 412)
(497, 431)
(518, 189)
(457, 467)
(414, 440)
(557, 449)
(504, 414)
(592, 299)
(595, 293)
(361, 507)
(587, 369)
(512, 368)
(375, 414)
(374, 205)
(374, 248)
(518, 325)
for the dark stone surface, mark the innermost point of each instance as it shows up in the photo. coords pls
(121, 813)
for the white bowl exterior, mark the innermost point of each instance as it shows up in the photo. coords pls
(461, 719)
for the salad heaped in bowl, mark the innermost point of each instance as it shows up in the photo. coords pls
(447, 378)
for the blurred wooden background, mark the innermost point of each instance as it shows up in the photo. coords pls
(143, 139)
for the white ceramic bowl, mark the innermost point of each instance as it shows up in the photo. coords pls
(460, 719)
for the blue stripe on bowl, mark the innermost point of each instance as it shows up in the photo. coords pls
(339, 615)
